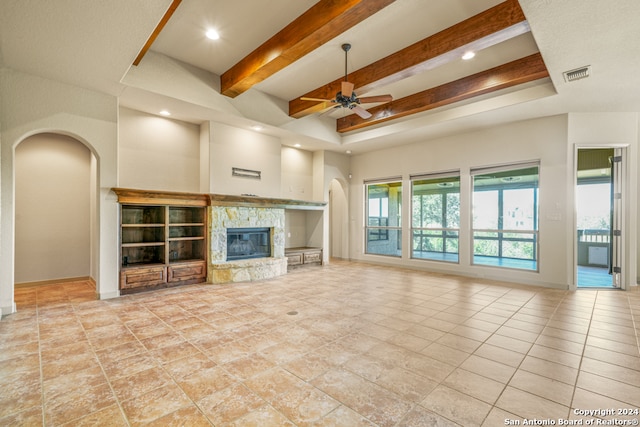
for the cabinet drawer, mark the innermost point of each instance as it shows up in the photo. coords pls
(294, 259)
(142, 277)
(187, 271)
(310, 257)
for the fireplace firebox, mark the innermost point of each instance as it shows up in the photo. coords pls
(245, 243)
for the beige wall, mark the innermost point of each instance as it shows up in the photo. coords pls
(297, 174)
(157, 153)
(53, 178)
(245, 149)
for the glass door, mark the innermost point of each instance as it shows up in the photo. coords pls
(615, 261)
(598, 205)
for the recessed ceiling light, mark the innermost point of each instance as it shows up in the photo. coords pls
(468, 55)
(297, 145)
(256, 127)
(212, 34)
(165, 113)
(348, 151)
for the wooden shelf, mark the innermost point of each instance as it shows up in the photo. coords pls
(142, 244)
(161, 243)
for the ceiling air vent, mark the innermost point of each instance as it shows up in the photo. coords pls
(577, 74)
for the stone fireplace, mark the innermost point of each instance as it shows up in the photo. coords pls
(238, 226)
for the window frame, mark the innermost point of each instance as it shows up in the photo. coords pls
(445, 232)
(384, 233)
(504, 235)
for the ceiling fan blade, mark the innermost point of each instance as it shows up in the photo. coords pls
(329, 110)
(361, 111)
(347, 89)
(379, 98)
(316, 99)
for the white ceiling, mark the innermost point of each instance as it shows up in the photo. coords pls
(92, 44)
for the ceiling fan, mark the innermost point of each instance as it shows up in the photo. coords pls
(347, 98)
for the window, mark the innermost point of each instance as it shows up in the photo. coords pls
(383, 230)
(435, 216)
(505, 216)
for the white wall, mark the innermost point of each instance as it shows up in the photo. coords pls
(53, 177)
(157, 153)
(240, 148)
(542, 139)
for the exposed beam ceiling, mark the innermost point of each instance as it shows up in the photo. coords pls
(157, 30)
(495, 25)
(324, 21)
(514, 73)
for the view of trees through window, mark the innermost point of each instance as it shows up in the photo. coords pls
(505, 217)
(436, 218)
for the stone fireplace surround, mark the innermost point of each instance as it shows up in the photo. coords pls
(222, 217)
(226, 211)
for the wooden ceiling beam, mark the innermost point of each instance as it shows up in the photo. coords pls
(497, 24)
(165, 18)
(322, 22)
(514, 73)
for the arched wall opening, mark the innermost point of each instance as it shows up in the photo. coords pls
(55, 210)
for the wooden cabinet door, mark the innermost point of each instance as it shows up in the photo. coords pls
(142, 277)
(187, 271)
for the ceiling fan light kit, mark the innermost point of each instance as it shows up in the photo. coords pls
(347, 98)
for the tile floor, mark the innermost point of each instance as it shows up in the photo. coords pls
(342, 345)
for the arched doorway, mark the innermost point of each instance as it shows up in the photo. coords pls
(338, 220)
(55, 187)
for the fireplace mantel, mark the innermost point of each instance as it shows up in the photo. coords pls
(263, 202)
(128, 195)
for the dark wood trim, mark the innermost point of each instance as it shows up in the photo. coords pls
(152, 197)
(514, 73)
(156, 31)
(263, 202)
(322, 22)
(497, 24)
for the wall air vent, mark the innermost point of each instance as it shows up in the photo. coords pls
(577, 74)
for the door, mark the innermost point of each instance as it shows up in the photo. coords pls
(599, 217)
(615, 260)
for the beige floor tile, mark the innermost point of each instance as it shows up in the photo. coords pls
(482, 388)
(530, 406)
(553, 355)
(621, 359)
(359, 352)
(229, 404)
(548, 388)
(304, 405)
(445, 354)
(499, 354)
(458, 407)
(509, 343)
(607, 387)
(420, 417)
(488, 368)
(379, 405)
(549, 369)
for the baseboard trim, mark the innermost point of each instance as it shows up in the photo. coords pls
(8, 310)
(55, 281)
